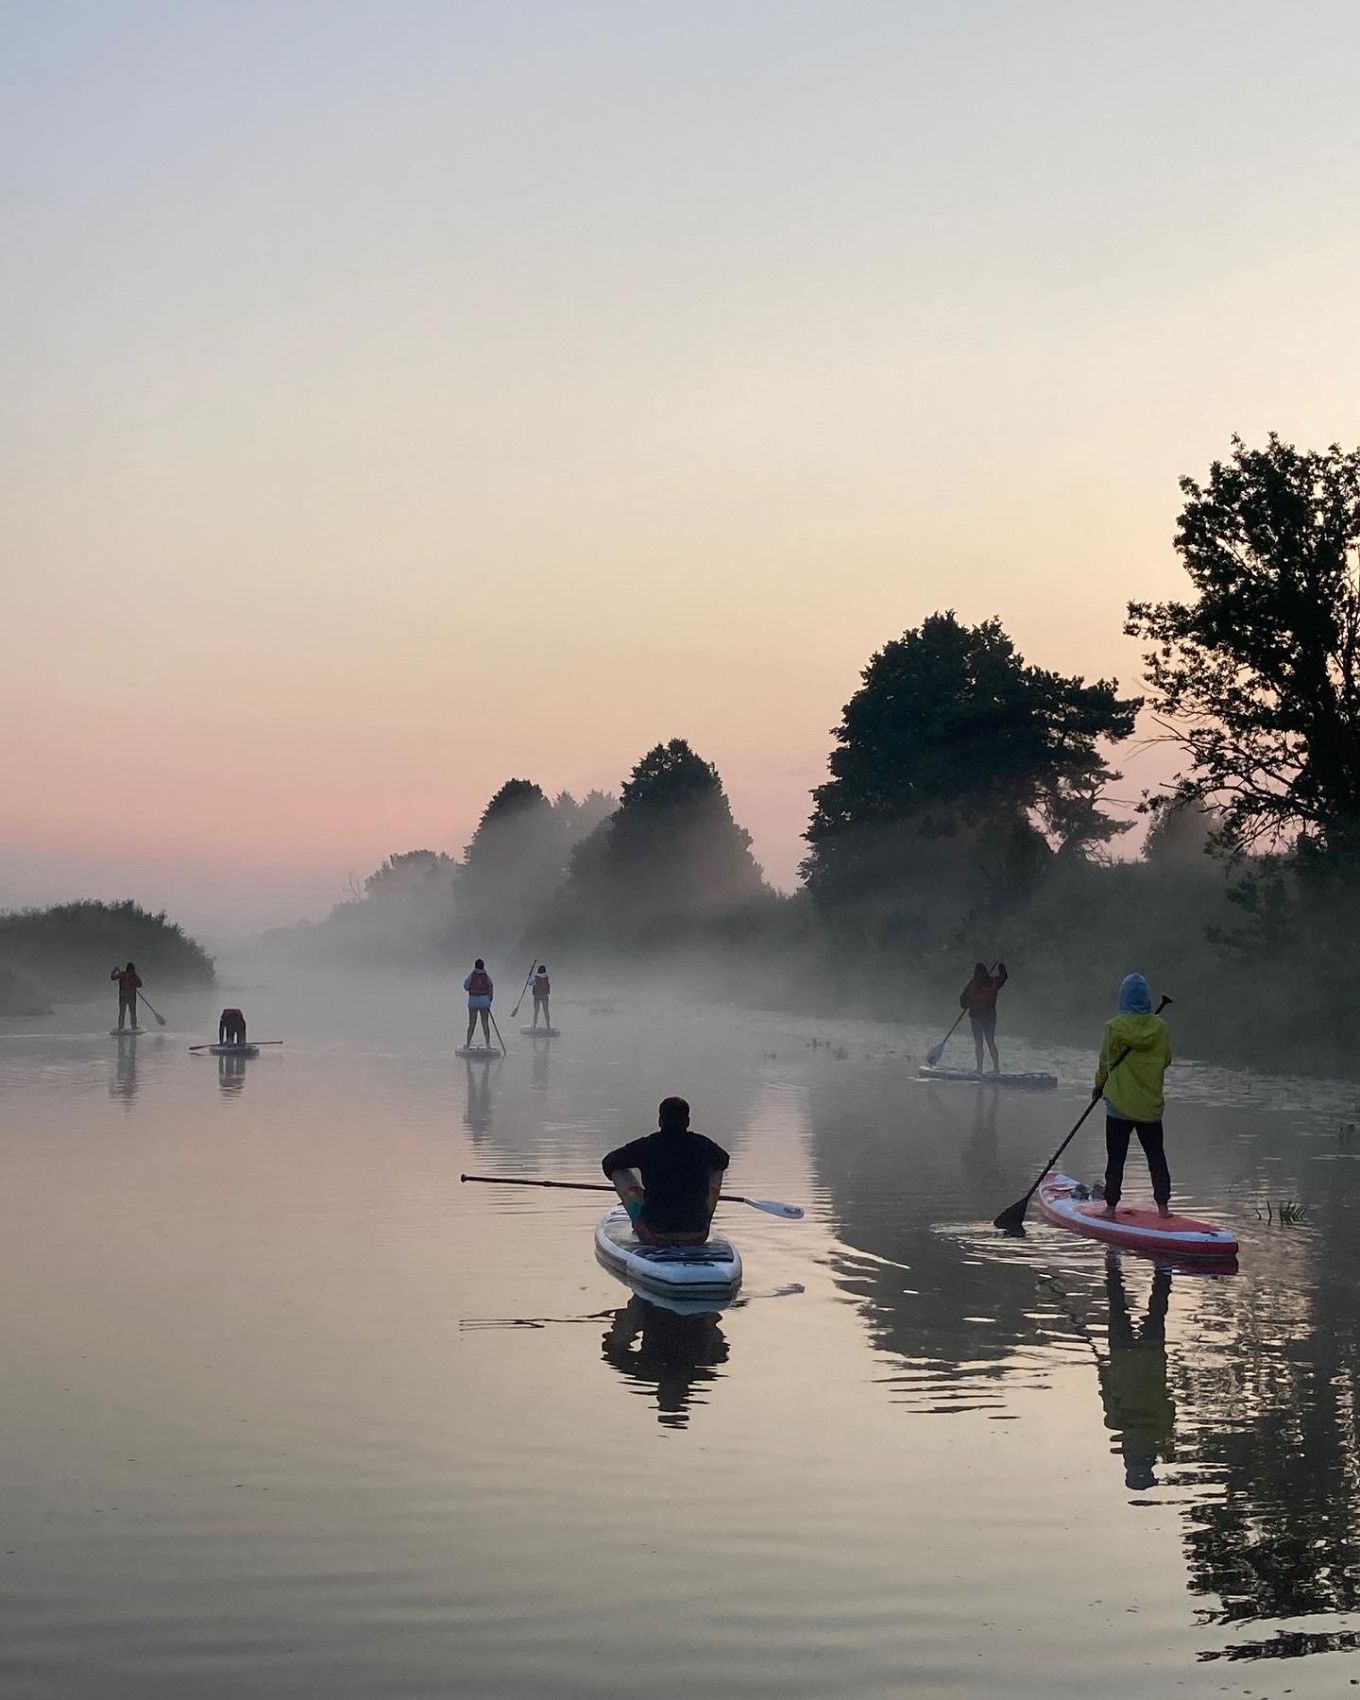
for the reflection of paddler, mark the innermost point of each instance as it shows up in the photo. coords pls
(667, 1351)
(1138, 1404)
(477, 1115)
(980, 1160)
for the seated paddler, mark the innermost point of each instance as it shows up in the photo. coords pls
(669, 1180)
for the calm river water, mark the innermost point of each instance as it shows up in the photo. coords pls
(291, 1412)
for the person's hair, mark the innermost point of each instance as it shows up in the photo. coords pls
(673, 1112)
(131, 968)
(480, 964)
(543, 967)
(981, 971)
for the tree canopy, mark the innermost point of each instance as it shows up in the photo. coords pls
(954, 749)
(1258, 678)
(671, 848)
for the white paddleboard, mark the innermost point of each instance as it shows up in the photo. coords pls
(125, 1032)
(1036, 1082)
(478, 1053)
(710, 1272)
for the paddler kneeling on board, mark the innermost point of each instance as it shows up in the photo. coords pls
(1129, 1076)
(670, 1180)
(231, 1027)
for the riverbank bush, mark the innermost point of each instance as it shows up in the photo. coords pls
(65, 952)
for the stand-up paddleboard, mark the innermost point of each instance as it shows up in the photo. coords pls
(1069, 1204)
(478, 1053)
(695, 1273)
(233, 1050)
(542, 1032)
(126, 1032)
(1032, 1082)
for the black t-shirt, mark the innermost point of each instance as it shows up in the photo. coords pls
(675, 1168)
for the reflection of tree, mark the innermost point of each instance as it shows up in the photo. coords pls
(1274, 1420)
(1260, 1375)
(664, 1351)
(1139, 1410)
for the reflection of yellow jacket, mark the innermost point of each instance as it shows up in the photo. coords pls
(1133, 1089)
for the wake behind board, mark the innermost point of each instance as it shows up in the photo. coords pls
(477, 1053)
(708, 1273)
(1068, 1204)
(542, 1032)
(125, 1032)
(1036, 1082)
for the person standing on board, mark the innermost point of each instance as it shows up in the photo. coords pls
(669, 1180)
(978, 997)
(1129, 1076)
(480, 992)
(128, 981)
(231, 1027)
(541, 988)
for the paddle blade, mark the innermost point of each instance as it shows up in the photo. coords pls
(1012, 1221)
(934, 1054)
(772, 1207)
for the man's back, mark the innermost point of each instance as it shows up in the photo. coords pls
(675, 1166)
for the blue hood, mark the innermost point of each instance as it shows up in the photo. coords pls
(1134, 996)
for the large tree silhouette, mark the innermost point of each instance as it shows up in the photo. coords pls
(1258, 678)
(959, 768)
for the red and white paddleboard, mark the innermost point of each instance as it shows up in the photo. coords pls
(1068, 1204)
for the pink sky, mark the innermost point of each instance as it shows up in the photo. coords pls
(396, 410)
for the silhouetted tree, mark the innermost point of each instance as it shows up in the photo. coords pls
(959, 769)
(670, 851)
(515, 860)
(1259, 677)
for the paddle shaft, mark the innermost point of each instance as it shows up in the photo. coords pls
(524, 988)
(583, 1186)
(1017, 1210)
(496, 1025)
(211, 1043)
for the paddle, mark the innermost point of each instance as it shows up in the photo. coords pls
(786, 1212)
(935, 1052)
(1012, 1220)
(212, 1042)
(160, 1019)
(524, 988)
(496, 1025)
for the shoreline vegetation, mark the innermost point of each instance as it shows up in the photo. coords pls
(63, 954)
(968, 816)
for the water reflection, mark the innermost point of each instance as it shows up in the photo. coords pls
(123, 1081)
(666, 1353)
(538, 1067)
(477, 1103)
(1139, 1410)
(231, 1075)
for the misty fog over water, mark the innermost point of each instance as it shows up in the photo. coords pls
(294, 1411)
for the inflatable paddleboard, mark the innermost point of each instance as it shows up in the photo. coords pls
(233, 1050)
(1068, 1204)
(125, 1032)
(478, 1053)
(709, 1273)
(1031, 1082)
(542, 1032)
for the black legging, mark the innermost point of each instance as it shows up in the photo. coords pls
(1117, 1135)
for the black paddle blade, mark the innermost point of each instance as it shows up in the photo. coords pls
(1012, 1221)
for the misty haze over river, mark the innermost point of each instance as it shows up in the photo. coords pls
(292, 1412)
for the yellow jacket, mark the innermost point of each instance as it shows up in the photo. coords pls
(1133, 1088)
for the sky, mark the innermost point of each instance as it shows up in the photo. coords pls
(396, 398)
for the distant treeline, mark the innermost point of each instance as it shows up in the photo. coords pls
(966, 817)
(65, 953)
